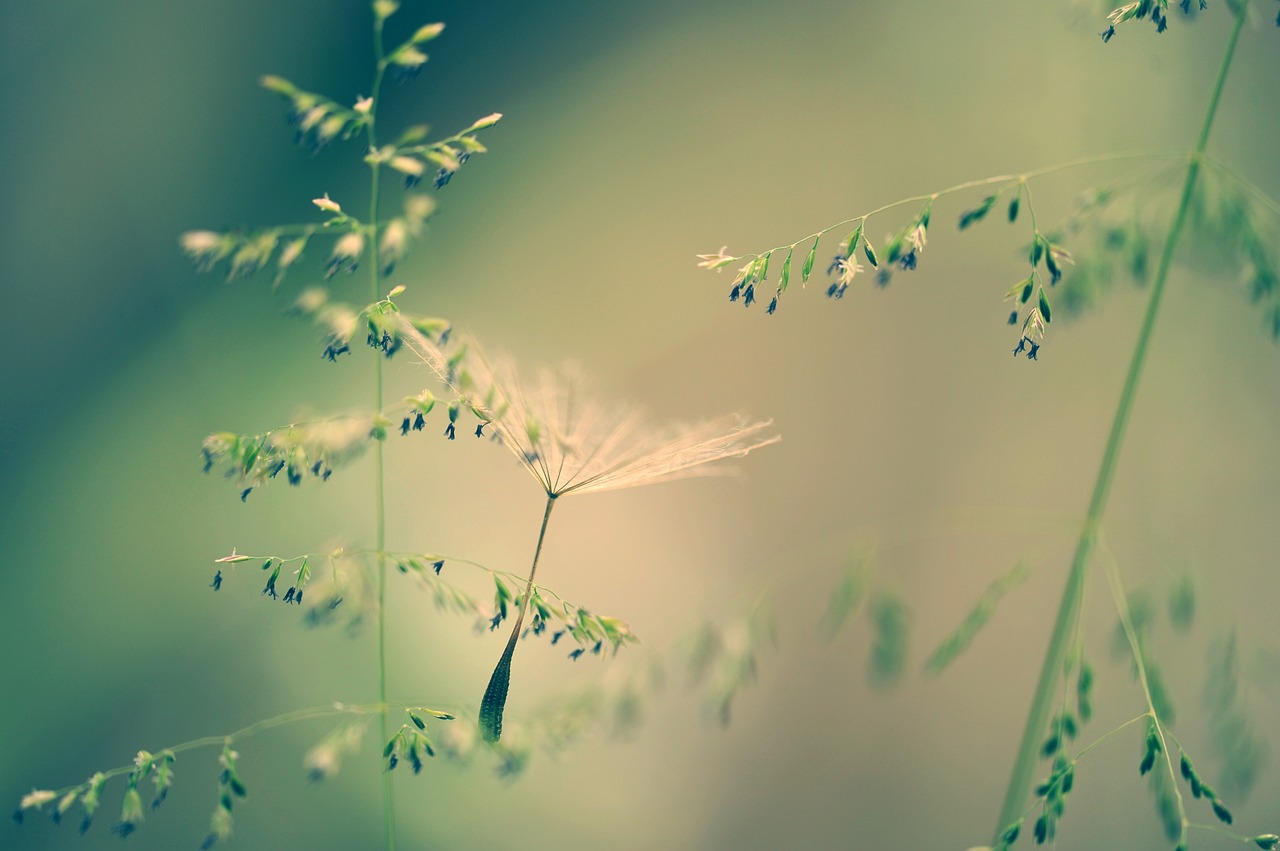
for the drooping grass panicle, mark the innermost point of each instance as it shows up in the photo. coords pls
(902, 250)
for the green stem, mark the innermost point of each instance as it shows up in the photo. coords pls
(1009, 179)
(245, 732)
(1140, 665)
(1028, 750)
(379, 507)
(495, 694)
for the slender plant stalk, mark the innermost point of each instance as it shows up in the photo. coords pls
(1037, 718)
(1112, 570)
(495, 694)
(379, 507)
(1010, 179)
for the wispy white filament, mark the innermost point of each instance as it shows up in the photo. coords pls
(571, 443)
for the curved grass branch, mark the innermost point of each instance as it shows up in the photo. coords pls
(1003, 180)
(265, 724)
(1037, 717)
(1112, 571)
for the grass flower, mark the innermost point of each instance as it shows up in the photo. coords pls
(572, 444)
(716, 261)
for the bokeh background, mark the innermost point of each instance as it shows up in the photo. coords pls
(635, 136)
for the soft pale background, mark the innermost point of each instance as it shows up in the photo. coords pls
(635, 136)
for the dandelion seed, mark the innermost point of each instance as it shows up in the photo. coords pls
(571, 445)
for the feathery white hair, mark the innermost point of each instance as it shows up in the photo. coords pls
(571, 443)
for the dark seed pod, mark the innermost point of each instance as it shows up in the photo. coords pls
(1041, 830)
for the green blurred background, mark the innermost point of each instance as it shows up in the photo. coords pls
(635, 136)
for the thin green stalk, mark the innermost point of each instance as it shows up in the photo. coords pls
(1010, 179)
(495, 694)
(379, 507)
(291, 717)
(1112, 570)
(1028, 750)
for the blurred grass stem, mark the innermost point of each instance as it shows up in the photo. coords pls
(1038, 716)
(379, 507)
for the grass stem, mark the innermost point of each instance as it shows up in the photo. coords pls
(379, 507)
(1038, 716)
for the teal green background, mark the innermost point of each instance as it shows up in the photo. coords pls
(635, 136)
